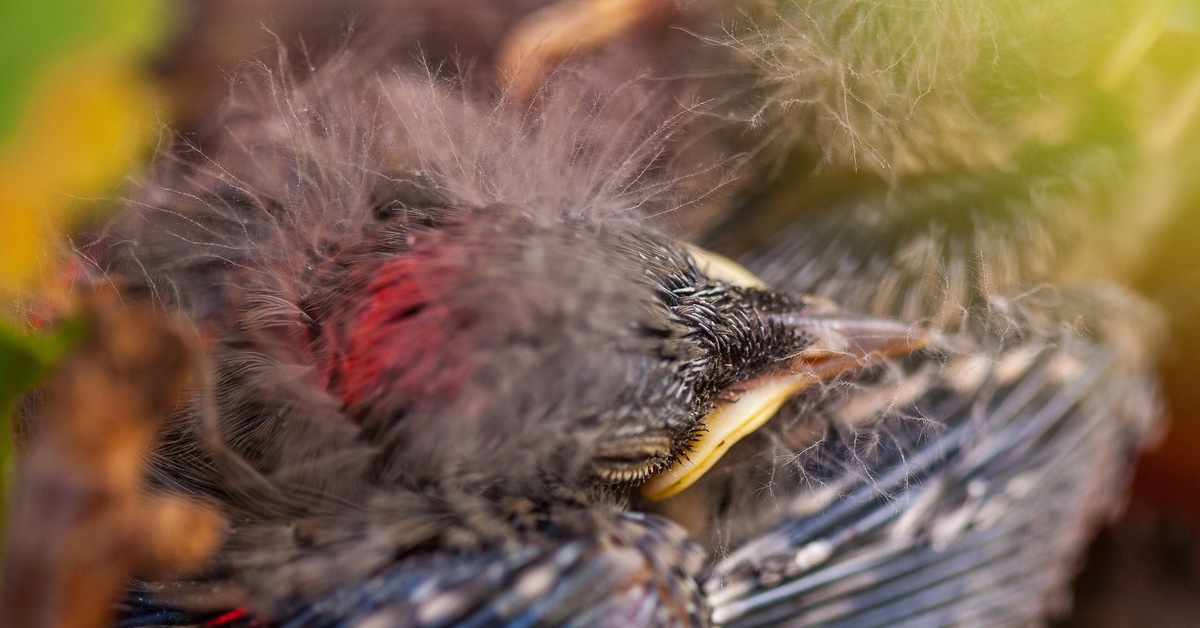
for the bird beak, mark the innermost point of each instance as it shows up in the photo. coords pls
(842, 343)
(721, 268)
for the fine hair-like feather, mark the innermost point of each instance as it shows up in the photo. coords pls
(429, 308)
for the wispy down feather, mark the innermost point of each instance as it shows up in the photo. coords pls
(448, 331)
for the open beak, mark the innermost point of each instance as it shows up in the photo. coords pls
(842, 343)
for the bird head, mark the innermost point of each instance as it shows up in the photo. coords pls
(399, 301)
(495, 351)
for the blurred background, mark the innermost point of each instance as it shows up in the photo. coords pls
(88, 87)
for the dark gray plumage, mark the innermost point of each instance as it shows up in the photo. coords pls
(423, 348)
(449, 333)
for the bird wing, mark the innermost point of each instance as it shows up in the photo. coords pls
(958, 524)
(959, 486)
(623, 576)
(624, 569)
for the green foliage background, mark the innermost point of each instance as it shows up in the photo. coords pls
(75, 111)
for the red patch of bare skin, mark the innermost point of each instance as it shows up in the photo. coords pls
(400, 334)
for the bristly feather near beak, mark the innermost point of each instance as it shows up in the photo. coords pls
(454, 333)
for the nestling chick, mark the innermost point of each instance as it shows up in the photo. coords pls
(433, 344)
(452, 362)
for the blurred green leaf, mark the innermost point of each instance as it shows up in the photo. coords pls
(24, 359)
(36, 34)
(76, 112)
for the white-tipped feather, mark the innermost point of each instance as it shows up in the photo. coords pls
(934, 162)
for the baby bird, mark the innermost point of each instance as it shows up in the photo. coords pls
(428, 358)
(461, 370)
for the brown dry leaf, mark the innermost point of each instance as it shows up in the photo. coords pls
(81, 521)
